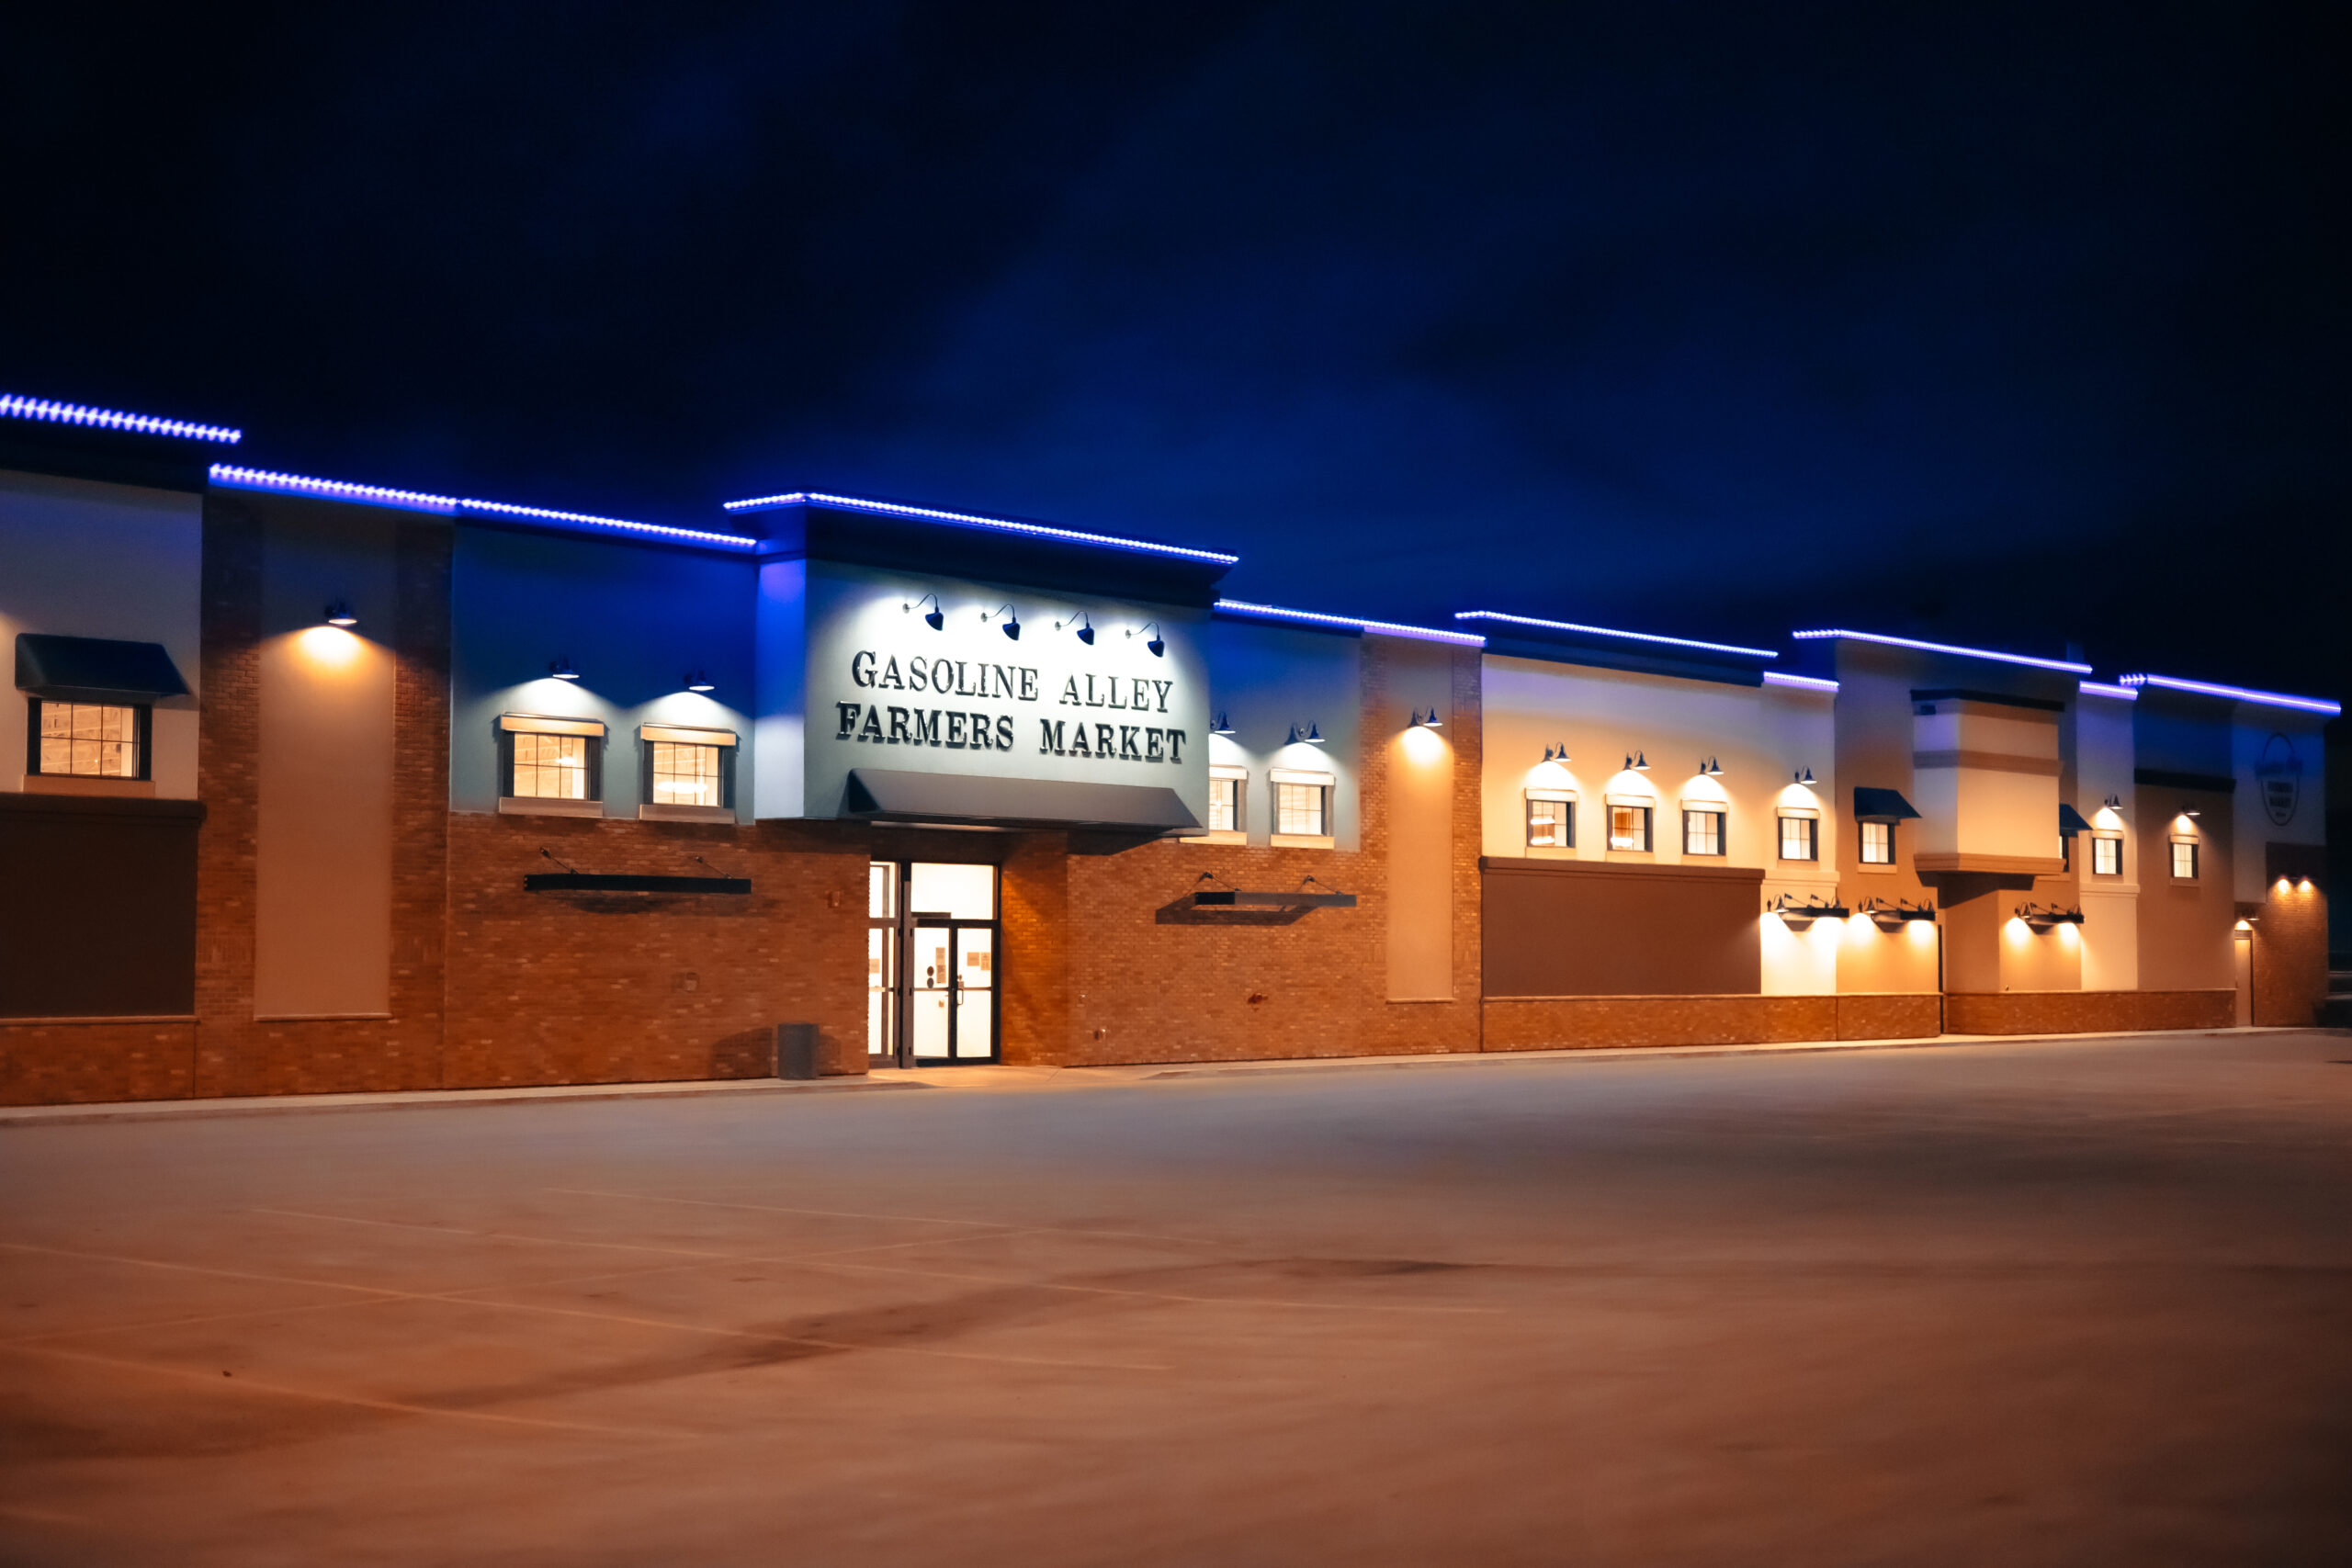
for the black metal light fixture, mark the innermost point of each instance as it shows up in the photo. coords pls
(1010, 626)
(1157, 648)
(937, 617)
(697, 682)
(1803, 776)
(1221, 725)
(1085, 624)
(1429, 720)
(562, 669)
(1313, 736)
(339, 614)
(1712, 769)
(1814, 908)
(1639, 762)
(1893, 916)
(2043, 917)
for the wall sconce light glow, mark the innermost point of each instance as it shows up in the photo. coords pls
(563, 670)
(2245, 926)
(12, 406)
(1499, 615)
(2070, 666)
(1316, 618)
(2238, 694)
(1422, 745)
(339, 614)
(935, 617)
(965, 519)
(331, 647)
(1156, 647)
(1010, 626)
(697, 682)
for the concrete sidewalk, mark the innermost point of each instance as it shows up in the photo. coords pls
(995, 1078)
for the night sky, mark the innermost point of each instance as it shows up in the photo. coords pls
(2010, 325)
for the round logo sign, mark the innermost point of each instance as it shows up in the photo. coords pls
(2278, 774)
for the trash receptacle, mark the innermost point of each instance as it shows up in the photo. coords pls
(796, 1050)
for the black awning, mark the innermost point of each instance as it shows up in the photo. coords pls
(94, 668)
(1881, 804)
(2070, 821)
(890, 795)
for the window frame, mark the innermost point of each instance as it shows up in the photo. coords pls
(142, 741)
(1564, 798)
(1722, 831)
(2099, 842)
(1648, 808)
(2182, 841)
(593, 731)
(724, 741)
(1298, 778)
(1239, 777)
(1863, 845)
(1783, 817)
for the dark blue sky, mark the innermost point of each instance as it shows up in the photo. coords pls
(2014, 324)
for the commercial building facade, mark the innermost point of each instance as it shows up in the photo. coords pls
(332, 787)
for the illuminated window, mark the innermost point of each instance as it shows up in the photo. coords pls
(1629, 828)
(1878, 843)
(686, 775)
(1551, 822)
(90, 740)
(1800, 836)
(1703, 832)
(2107, 856)
(551, 767)
(2184, 860)
(1225, 805)
(1300, 809)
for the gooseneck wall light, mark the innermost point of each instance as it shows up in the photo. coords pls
(697, 682)
(1803, 776)
(1712, 769)
(1010, 626)
(1155, 646)
(1637, 762)
(935, 617)
(1557, 753)
(1313, 736)
(1084, 625)
(339, 614)
(1429, 720)
(1221, 725)
(562, 669)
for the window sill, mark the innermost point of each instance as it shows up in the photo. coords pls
(1868, 868)
(532, 806)
(1633, 855)
(661, 811)
(1302, 841)
(88, 784)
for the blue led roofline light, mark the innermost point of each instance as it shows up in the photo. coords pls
(1310, 618)
(2101, 689)
(2241, 694)
(963, 519)
(2066, 664)
(15, 407)
(454, 505)
(1605, 631)
(1803, 682)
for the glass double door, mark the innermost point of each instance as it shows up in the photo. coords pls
(930, 947)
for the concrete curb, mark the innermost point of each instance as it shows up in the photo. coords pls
(425, 1099)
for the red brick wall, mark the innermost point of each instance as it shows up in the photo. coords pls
(56, 1062)
(1889, 1015)
(235, 1054)
(1559, 1023)
(2290, 956)
(623, 988)
(1150, 980)
(2086, 1012)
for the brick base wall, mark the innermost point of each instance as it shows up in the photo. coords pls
(57, 1061)
(2290, 958)
(629, 988)
(1558, 1023)
(2086, 1012)
(1890, 1015)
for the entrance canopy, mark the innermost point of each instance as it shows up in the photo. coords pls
(889, 794)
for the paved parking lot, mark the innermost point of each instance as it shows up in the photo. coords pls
(2033, 1302)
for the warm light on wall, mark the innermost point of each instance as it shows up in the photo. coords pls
(1921, 931)
(1422, 745)
(329, 647)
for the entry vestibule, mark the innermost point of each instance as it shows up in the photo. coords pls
(931, 971)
